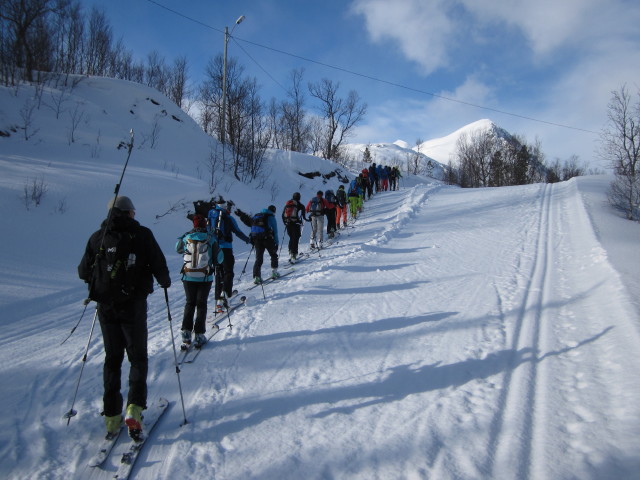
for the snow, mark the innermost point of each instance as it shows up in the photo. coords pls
(450, 334)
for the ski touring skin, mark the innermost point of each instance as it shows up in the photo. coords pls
(105, 448)
(129, 457)
(269, 280)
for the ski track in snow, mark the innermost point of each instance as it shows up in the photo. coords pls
(455, 332)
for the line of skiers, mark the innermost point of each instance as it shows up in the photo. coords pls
(122, 258)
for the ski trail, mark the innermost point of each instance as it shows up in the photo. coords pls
(515, 432)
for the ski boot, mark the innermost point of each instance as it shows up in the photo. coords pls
(113, 425)
(200, 340)
(133, 419)
(186, 339)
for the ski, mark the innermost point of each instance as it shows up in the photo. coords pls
(105, 448)
(301, 258)
(151, 416)
(195, 352)
(221, 316)
(269, 280)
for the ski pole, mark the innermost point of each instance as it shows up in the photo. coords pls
(110, 214)
(245, 263)
(72, 413)
(226, 302)
(282, 241)
(263, 294)
(175, 358)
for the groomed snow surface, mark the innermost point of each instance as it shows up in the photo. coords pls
(450, 334)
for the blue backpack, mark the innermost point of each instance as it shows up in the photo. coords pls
(260, 225)
(315, 208)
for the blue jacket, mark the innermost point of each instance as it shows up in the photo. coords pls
(213, 222)
(201, 235)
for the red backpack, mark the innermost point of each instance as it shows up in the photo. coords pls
(290, 211)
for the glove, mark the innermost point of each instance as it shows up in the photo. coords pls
(164, 284)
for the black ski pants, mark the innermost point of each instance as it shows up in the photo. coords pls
(124, 329)
(262, 244)
(224, 274)
(331, 220)
(295, 232)
(196, 298)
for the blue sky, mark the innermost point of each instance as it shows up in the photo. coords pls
(553, 62)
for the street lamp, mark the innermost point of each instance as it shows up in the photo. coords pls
(224, 81)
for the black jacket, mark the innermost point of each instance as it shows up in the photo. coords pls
(150, 260)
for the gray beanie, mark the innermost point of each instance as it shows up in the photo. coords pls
(122, 203)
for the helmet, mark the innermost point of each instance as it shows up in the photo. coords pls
(121, 203)
(296, 196)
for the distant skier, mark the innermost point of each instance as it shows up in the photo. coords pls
(264, 236)
(316, 209)
(293, 215)
(330, 212)
(341, 207)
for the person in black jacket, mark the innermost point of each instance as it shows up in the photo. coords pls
(123, 321)
(293, 214)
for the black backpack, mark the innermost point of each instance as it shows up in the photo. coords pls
(221, 224)
(114, 271)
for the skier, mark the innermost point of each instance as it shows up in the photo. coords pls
(293, 215)
(373, 177)
(316, 209)
(264, 236)
(384, 176)
(396, 176)
(201, 254)
(354, 198)
(341, 207)
(330, 212)
(223, 225)
(123, 313)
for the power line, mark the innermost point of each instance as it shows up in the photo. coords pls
(368, 77)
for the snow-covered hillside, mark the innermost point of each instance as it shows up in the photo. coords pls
(447, 334)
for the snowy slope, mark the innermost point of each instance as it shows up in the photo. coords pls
(450, 334)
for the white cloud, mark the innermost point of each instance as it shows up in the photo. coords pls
(420, 29)
(429, 32)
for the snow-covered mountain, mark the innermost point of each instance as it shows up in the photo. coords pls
(442, 149)
(434, 155)
(448, 333)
